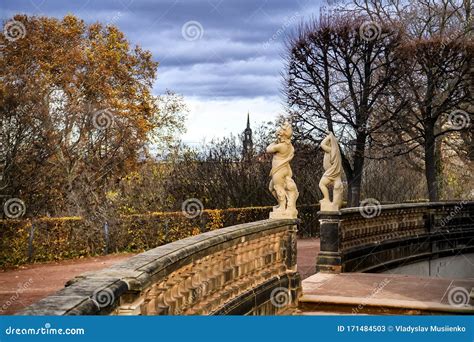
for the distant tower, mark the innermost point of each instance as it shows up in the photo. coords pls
(247, 140)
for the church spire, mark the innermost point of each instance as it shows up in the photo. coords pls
(247, 140)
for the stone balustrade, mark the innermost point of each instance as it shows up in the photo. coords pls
(244, 269)
(386, 236)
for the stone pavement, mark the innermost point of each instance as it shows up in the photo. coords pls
(370, 293)
(27, 284)
(308, 250)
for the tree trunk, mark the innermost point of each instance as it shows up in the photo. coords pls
(346, 165)
(430, 163)
(349, 193)
(354, 179)
(356, 183)
(359, 156)
(355, 198)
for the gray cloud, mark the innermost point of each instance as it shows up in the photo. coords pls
(237, 56)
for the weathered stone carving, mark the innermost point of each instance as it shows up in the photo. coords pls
(400, 232)
(206, 285)
(232, 271)
(332, 174)
(282, 186)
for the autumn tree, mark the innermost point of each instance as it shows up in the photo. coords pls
(77, 111)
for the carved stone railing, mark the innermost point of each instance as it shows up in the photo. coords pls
(390, 235)
(244, 269)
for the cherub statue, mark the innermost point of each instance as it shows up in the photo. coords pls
(282, 186)
(332, 174)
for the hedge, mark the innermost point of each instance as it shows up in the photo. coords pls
(53, 239)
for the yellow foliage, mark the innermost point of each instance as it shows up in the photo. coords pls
(216, 220)
(57, 238)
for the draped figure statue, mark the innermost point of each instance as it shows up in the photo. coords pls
(282, 186)
(332, 174)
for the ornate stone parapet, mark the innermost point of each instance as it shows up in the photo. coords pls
(353, 240)
(233, 270)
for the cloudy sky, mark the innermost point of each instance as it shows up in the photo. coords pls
(224, 56)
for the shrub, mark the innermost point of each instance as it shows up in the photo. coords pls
(52, 239)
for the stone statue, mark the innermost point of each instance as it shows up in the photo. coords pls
(282, 186)
(332, 174)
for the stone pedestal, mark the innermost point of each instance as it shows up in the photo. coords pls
(327, 205)
(283, 214)
(329, 258)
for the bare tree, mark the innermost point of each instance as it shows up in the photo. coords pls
(438, 77)
(338, 78)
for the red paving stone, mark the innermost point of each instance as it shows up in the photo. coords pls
(27, 284)
(388, 291)
(308, 250)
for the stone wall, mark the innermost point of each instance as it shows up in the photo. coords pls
(393, 235)
(244, 269)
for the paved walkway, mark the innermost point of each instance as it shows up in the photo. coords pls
(28, 284)
(308, 250)
(371, 293)
(25, 285)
